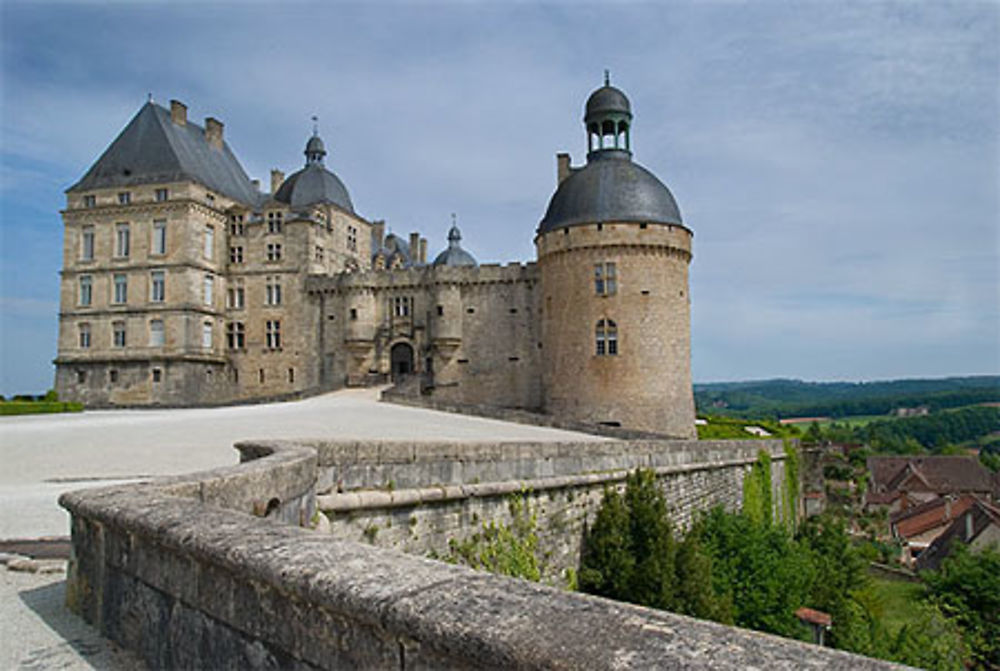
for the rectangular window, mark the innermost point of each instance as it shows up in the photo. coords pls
(90, 201)
(121, 240)
(235, 335)
(118, 334)
(273, 251)
(207, 290)
(236, 254)
(605, 279)
(157, 375)
(159, 237)
(157, 335)
(273, 334)
(87, 243)
(274, 222)
(272, 291)
(236, 227)
(162, 195)
(235, 296)
(84, 336)
(121, 288)
(157, 286)
(124, 198)
(206, 335)
(354, 313)
(352, 238)
(86, 289)
(113, 376)
(291, 375)
(209, 242)
(401, 306)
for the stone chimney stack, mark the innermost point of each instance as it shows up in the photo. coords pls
(562, 167)
(423, 250)
(178, 112)
(415, 247)
(277, 178)
(213, 132)
(378, 233)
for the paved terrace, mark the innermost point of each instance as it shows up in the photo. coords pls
(45, 455)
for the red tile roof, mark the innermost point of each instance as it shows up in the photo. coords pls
(816, 617)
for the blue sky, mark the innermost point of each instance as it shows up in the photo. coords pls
(839, 163)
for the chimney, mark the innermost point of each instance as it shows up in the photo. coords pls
(178, 112)
(213, 132)
(423, 250)
(562, 167)
(415, 247)
(277, 177)
(256, 184)
(378, 233)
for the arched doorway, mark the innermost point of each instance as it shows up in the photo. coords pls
(401, 357)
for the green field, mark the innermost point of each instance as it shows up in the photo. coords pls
(38, 407)
(897, 599)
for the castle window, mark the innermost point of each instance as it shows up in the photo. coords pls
(113, 376)
(354, 313)
(162, 195)
(272, 291)
(274, 222)
(81, 376)
(606, 338)
(352, 238)
(273, 334)
(157, 334)
(90, 201)
(121, 240)
(235, 296)
(86, 289)
(157, 375)
(157, 286)
(401, 306)
(210, 199)
(291, 375)
(236, 227)
(159, 246)
(440, 311)
(84, 336)
(87, 243)
(260, 375)
(235, 335)
(319, 254)
(206, 335)
(124, 198)
(236, 254)
(605, 279)
(209, 242)
(121, 288)
(207, 290)
(118, 334)
(273, 252)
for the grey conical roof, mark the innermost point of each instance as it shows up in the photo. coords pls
(152, 149)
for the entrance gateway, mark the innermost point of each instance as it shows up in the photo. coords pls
(401, 358)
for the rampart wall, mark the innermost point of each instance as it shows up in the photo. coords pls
(211, 571)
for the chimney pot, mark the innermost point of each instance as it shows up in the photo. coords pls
(423, 250)
(277, 178)
(178, 112)
(415, 247)
(563, 169)
(378, 233)
(213, 132)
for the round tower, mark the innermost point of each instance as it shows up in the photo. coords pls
(613, 257)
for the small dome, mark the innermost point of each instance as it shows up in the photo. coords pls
(315, 146)
(314, 183)
(454, 255)
(610, 188)
(607, 100)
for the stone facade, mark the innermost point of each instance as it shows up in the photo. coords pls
(221, 293)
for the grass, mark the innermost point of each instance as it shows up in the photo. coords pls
(38, 407)
(898, 598)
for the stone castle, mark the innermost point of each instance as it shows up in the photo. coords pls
(183, 283)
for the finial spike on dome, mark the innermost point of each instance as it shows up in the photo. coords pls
(453, 219)
(315, 120)
(607, 77)
(149, 97)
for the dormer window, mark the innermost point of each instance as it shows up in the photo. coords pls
(90, 201)
(162, 195)
(124, 198)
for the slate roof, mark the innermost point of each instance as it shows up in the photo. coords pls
(940, 474)
(314, 184)
(153, 149)
(454, 255)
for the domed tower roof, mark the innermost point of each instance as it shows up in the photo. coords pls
(610, 187)
(454, 255)
(314, 183)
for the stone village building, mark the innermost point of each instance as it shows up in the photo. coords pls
(184, 284)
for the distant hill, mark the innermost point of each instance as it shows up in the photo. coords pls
(782, 398)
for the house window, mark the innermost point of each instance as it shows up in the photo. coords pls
(157, 375)
(607, 338)
(159, 237)
(121, 288)
(207, 290)
(273, 334)
(235, 335)
(235, 296)
(157, 335)
(86, 289)
(605, 279)
(90, 201)
(162, 195)
(274, 222)
(401, 306)
(236, 254)
(209, 242)
(236, 227)
(124, 198)
(272, 291)
(273, 251)
(87, 243)
(157, 286)
(118, 334)
(84, 336)
(206, 335)
(121, 240)
(319, 254)
(352, 238)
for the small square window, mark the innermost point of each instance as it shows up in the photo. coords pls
(162, 195)
(124, 198)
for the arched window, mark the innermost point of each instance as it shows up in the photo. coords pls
(606, 338)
